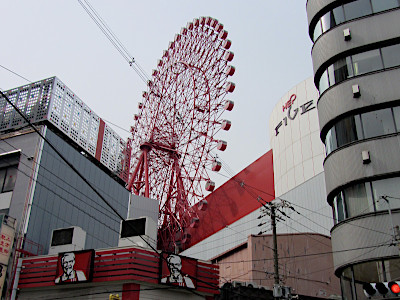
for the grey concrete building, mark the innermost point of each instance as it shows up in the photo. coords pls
(356, 61)
(38, 189)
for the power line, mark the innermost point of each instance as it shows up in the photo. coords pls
(45, 186)
(311, 254)
(114, 39)
(83, 178)
(52, 93)
(15, 73)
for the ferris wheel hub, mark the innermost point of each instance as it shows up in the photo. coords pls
(146, 146)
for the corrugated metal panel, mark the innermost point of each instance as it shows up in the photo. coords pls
(314, 213)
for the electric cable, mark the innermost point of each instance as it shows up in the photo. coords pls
(81, 176)
(15, 73)
(45, 186)
(113, 39)
(310, 254)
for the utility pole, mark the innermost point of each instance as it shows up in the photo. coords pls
(275, 245)
(278, 291)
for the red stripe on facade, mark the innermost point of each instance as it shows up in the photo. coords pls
(120, 264)
(100, 136)
(236, 198)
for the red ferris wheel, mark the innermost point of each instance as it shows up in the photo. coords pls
(174, 134)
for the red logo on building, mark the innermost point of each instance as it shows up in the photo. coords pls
(289, 103)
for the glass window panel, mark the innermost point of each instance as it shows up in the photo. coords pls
(335, 219)
(330, 141)
(346, 131)
(323, 82)
(396, 111)
(357, 9)
(368, 272)
(341, 215)
(317, 31)
(392, 268)
(368, 189)
(367, 62)
(345, 282)
(327, 21)
(356, 200)
(341, 69)
(11, 177)
(2, 177)
(386, 187)
(359, 128)
(378, 122)
(391, 56)
(381, 5)
(331, 75)
(337, 15)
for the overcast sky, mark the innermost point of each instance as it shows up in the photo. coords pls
(45, 38)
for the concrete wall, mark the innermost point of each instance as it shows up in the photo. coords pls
(305, 264)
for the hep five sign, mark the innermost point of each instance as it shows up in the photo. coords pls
(291, 113)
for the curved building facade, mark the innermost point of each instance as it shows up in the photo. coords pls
(298, 156)
(356, 60)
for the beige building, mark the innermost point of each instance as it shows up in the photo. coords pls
(305, 264)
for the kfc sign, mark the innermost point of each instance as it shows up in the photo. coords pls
(74, 267)
(293, 113)
(178, 271)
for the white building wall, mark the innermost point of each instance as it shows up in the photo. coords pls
(298, 156)
(312, 214)
(298, 152)
(226, 239)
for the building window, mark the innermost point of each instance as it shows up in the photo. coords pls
(362, 126)
(362, 198)
(346, 131)
(379, 5)
(7, 178)
(353, 277)
(350, 11)
(390, 56)
(346, 282)
(357, 9)
(356, 200)
(359, 64)
(366, 62)
(377, 123)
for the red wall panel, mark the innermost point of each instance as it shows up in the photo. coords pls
(236, 198)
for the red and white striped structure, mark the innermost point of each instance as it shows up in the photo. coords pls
(130, 272)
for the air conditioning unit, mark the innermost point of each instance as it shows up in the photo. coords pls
(140, 232)
(67, 239)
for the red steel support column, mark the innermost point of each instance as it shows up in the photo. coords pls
(146, 172)
(130, 291)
